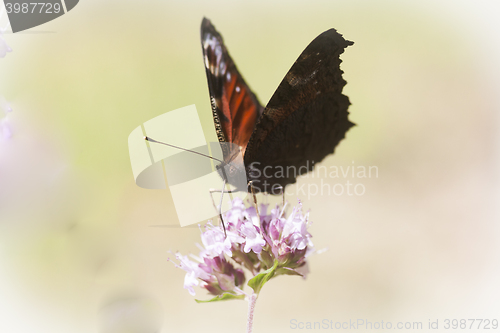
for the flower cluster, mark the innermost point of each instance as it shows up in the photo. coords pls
(4, 48)
(265, 244)
(5, 129)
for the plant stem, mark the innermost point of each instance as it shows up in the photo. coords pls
(251, 307)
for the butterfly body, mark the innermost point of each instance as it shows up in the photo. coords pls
(303, 122)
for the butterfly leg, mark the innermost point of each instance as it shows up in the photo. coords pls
(250, 183)
(220, 205)
(212, 190)
(282, 190)
(219, 210)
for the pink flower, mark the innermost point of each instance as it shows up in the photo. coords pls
(255, 242)
(252, 237)
(193, 272)
(217, 275)
(4, 48)
(295, 230)
(290, 242)
(5, 128)
(223, 277)
(215, 242)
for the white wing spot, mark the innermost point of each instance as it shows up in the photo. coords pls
(222, 67)
(238, 89)
(228, 76)
(211, 45)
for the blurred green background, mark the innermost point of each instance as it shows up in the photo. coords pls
(80, 250)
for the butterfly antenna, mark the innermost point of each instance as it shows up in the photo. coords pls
(147, 138)
(254, 198)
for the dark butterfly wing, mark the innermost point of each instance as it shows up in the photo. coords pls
(235, 107)
(304, 120)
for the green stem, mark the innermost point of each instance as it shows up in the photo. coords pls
(251, 307)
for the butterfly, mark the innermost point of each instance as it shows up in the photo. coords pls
(303, 122)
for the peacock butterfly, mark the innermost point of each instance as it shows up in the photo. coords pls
(303, 122)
